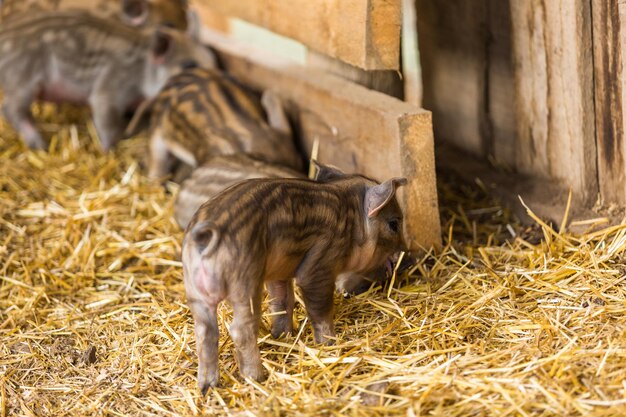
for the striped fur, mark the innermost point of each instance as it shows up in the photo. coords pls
(269, 231)
(132, 12)
(77, 57)
(202, 113)
(219, 173)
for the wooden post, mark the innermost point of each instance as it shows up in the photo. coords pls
(609, 43)
(554, 92)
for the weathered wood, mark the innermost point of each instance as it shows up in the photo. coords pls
(609, 43)
(359, 130)
(363, 33)
(554, 92)
(465, 50)
(388, 82)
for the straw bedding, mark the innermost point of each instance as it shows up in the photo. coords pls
(503, 321)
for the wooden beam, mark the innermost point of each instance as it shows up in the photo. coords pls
(388, 82)
(554, 91)
(359, 130)
(609, 47)
(363, 33)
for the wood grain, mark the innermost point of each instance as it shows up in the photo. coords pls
(552, 52)
(609, 39)
(363, 33)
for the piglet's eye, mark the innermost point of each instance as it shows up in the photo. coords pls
(394, 225)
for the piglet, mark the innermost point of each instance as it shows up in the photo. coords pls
(269, 231)
(75, 57)
(202, 113)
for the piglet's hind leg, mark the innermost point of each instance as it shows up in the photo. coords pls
(16, 109)
(207, 343)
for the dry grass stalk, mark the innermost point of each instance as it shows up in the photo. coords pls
(504, 321)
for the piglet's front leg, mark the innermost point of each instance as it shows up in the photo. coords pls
(317, 283)
(160, 162)
(281, 300)
(276, 116)
(107, 118)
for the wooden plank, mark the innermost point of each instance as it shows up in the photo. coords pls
(388, 82)
(363, 33)
(359, 130)
(609, 43)
(554, 92)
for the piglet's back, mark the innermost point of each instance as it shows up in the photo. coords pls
(29, 41)
(291, 211)
(219, 173)
(205, 112)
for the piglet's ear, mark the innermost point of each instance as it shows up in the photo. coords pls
(161, 43)
(378, 196)
(325, 173)
(135, 11)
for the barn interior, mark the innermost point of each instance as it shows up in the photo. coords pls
(506, 119)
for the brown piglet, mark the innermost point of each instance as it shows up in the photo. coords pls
(202, 113)
(273, 232)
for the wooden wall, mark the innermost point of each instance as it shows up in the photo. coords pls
(527, 84)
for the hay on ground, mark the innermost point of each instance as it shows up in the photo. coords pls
(503, 321)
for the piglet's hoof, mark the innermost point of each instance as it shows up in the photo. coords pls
(210, 382)
(324, 336)
(281, 327)
(256, 373)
